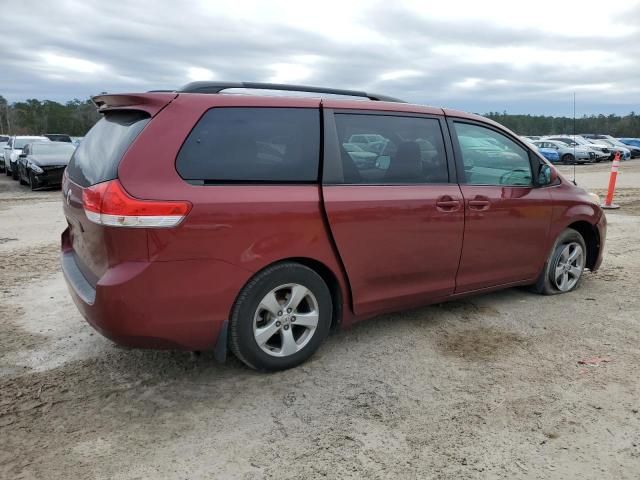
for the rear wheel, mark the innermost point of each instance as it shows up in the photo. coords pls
(564, 267)
(14, 172)
(567, 158)
(280, 317)
(32, 181)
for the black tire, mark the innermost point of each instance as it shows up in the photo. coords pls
(545, 284)
(14, 173)
(242, 341)
(21, 180)
(7, 172)
(567, 159)
(32, 182)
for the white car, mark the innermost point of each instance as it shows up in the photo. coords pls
(602, 152)
(3, 143)
(625, 153)
(13, 149)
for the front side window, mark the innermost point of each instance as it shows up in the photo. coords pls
(384, 149)
(253, 145)
(491, 158)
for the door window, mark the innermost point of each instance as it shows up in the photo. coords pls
(491, 158)
(385, 149)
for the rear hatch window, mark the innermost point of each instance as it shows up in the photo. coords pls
(97, 158)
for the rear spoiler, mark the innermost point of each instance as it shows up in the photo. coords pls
(150, 103)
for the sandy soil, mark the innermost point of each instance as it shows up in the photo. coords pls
(488, 387)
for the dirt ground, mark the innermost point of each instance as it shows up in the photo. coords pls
(490, 387)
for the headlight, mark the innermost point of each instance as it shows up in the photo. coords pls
(594, 198)
(35, 168)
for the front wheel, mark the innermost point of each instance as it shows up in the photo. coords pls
(564, 267)
(280, 317)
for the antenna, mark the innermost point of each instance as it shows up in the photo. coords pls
(574, 139)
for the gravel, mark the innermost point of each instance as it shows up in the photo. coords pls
(487, 387)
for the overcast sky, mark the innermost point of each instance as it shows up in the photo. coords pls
(480, 56)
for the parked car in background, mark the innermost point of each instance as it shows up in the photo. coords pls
(633, 150)
(58, 137)
(625, 153)
(13, 149)
(548, 153)
(361, 157)
(4, 139)
(369, 143)
(635, 142)
(265, 249)
(602, 152)
(41, 164)
(76, 140)
(568, 154)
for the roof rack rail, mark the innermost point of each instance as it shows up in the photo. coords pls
(217, 87)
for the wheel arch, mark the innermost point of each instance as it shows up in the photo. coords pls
(330, 278)
(325, 272)
(591, 237)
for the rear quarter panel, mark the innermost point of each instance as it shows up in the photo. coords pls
(245, 226)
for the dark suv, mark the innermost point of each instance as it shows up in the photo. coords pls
(199, 219)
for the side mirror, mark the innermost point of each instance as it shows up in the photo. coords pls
(547, 175)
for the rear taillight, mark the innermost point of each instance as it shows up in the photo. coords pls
(109, 204)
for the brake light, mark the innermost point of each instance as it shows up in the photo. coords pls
(109, 204)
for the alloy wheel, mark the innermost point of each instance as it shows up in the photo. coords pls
(569, 267)
(285, 320)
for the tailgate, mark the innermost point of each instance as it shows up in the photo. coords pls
(96, 247)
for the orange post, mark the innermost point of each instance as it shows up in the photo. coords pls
(615, 165)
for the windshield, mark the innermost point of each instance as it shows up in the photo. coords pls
(55, 148)
(21, 142)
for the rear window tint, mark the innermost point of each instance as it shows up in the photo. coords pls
(97, 157)
(276, 145)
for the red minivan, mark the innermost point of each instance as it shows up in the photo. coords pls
(201, 219)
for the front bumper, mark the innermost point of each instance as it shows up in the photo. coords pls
(602, 235)
(586, 157)
(51, 177)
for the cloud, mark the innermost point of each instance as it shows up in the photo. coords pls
(476, 56)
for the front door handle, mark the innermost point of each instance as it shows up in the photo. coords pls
(447, 204)
(479, 203)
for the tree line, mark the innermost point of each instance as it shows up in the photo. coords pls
(34, 117)
(615, 125)
(76, 117)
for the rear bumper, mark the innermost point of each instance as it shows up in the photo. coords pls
(166, 305)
